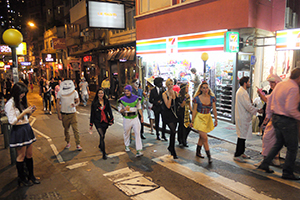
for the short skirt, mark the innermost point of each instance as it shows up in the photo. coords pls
(203, 122)
(21, 135)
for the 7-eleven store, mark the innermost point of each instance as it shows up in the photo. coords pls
(174, 56)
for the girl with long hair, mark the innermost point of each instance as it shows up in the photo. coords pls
(22, 136)
(170, 100)
(101, 117)
(204, 101)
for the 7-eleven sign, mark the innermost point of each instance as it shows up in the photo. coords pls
(232, 42)
(172, 45)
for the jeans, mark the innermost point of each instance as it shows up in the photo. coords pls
(85, 98)
(286, 131)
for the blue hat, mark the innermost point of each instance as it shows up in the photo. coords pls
(128, 87)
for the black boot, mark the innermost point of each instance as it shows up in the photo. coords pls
(29, 164)
(208, 156)
(198, 151)
(21, 174)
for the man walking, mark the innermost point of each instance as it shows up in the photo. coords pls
(67, 100)
(196, 80)
(84, 89)
(243, 118)
(284, 102)
(156, 99)
(129, 107)
(136, 90)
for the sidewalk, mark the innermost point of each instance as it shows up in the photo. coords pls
(226, 131)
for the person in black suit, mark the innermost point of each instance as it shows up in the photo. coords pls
(156, 99)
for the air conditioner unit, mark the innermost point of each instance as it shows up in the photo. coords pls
(295, 20)
(288, 18)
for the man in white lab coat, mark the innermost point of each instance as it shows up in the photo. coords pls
(243, 118)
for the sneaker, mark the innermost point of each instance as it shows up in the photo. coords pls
(68, 146)
(138, 153)
(239, 159)
(79, 148)
(50, 113)
(246, 156)
(127, 148)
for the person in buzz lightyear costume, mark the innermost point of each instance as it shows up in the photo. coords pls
(129, 106)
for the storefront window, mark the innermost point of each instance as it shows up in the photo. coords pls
(219, 73)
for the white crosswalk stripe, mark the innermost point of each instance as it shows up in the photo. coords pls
(219, 184)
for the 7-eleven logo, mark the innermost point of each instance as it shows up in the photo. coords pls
(233, 42)
(172, 45)
(298, 40)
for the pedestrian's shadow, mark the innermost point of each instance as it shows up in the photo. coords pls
(66, 155)
(15, 191)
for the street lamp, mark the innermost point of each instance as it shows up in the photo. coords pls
(31, 24)
(204, 57)
(13, 37)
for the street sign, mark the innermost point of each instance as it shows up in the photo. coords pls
(253, 60)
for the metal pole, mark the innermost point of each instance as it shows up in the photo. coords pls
(15, 72)
(204, 70)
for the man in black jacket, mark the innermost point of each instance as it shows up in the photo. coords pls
(156, 99)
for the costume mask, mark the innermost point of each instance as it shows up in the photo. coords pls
(67, 87)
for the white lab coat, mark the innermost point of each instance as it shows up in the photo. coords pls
(243, 114)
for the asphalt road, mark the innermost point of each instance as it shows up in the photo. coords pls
(70, 174)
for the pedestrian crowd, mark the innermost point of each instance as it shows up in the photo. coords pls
(174, 106)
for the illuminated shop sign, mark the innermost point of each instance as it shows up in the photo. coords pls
(106, 15)
(49, 57)
(87, 59)
(288, 39)
(197, 42)
(60, 66)
(232, 42)
(25, 63)
(20, 50)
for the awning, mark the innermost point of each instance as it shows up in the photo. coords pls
(126, 53)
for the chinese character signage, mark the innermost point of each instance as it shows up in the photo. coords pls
(20, 50)
(288, 39)
(59, 43)
(232, 42)
(49, 57)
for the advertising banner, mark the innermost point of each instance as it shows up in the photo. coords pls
(106, 15)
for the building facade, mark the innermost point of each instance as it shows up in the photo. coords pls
(172, 35)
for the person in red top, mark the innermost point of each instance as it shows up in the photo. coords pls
(176, 87)
(101, 117)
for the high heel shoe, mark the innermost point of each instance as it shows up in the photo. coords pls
(24, 183)
(173, 153)
(34, 180)
(104, 156)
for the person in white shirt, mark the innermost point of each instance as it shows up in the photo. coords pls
(243, 118)
(22, 136)
(84, 89)
(67, 100)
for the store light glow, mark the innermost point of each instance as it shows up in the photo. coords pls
(288, 39)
